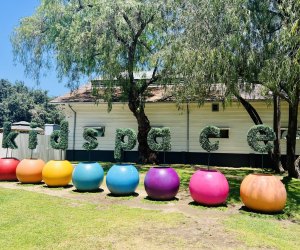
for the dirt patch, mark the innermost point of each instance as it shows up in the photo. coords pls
(202, 228)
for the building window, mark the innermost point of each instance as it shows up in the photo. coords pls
(100, 130)
(215, 107)
(284, 131)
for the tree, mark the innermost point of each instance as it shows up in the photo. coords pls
(20, 103)
(111, 39)
(281, 71)
(235, 48)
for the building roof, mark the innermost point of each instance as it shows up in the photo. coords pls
(23, 127)
(154, 93)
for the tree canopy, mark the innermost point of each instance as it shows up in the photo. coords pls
(202, 42)
(110, 39)
(20, 103)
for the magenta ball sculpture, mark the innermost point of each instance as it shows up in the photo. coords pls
(161, 183)
(8, 168)
(209, 187)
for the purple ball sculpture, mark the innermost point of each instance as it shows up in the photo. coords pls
(161, 183)
(209, 187)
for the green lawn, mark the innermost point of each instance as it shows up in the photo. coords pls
(30, 220)
(35, 221)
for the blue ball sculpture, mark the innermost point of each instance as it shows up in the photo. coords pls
(87, 176)
(122, 179)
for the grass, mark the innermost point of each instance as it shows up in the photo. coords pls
(234, 177)
(280, 231)
(34, 221)
(263, 232)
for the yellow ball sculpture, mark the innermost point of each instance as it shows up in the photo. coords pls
(263, 192)
(57, 173)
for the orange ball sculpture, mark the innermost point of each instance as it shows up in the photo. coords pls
(30, 170)
(263, 192)
(57, 173)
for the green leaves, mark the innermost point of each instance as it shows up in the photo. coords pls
(164, 134)
(8, 139)
(209, 131)
(90, 135)
(121, 144)
(33, 142)
(59, 138)
(261, 133)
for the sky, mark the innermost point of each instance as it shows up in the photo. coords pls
(11, 13)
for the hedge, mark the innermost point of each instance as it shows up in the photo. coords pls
(120, 144)
(59, 138)
(90, 135)
(165, 134)
(204, 138)
(259, 133)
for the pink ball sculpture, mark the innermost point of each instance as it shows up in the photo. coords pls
(209, 187)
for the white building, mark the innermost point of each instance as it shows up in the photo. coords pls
(82, 111)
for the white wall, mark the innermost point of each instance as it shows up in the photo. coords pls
(43, 150)
(166, 114)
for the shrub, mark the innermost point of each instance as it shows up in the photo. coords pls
(165, 134)
(90, 135)
(59, 138)
(120, 144)
(259, 133)
(204, 138)
(33, 142)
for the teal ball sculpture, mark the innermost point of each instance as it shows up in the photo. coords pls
(122, 179)
(87, 176)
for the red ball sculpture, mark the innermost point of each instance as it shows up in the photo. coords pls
(8, 168)
(209, 187)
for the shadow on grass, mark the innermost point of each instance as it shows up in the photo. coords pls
(58, 187)
(151, 200)
(245, 210)
(292, 187)
(30, 184)
(132, 195)
(99, 190)
(196, 204)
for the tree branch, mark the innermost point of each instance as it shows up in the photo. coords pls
(142, 27)
(146, 46)
(117, 36)
(81, 6)
(128, 23)
(153, 79)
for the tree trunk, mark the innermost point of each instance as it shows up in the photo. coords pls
(146, 155)
(251, 110)
(276, 154)
(291, 140)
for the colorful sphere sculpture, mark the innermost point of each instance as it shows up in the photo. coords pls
(122, 179)
(8, 168)
(30, 170)
(57, 173)
(161, 183)
(263, 192)
(209, 187)
(87, 176)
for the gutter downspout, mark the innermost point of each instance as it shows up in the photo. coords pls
(188, 125)
(74, 130)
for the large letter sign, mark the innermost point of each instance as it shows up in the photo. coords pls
(165, 134)
(258, 134)
(121, 144)
(204, 138)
